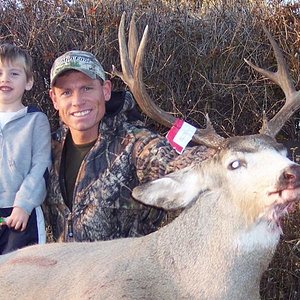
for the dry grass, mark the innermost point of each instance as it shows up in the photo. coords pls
(194, 65)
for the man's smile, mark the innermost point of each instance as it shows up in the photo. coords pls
(81, 113)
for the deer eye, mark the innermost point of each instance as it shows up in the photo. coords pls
(236, 164)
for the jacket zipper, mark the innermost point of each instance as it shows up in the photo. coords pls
(70, 226)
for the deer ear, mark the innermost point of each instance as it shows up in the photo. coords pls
(173, 191)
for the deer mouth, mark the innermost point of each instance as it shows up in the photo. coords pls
(278, 211)
(283, 206)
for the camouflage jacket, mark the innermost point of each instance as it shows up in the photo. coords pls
(125, 155)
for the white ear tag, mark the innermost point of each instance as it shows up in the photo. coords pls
(180, 135)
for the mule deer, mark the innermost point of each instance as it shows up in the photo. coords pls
(217, 248)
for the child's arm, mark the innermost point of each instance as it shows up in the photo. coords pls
(32, 191)
(18, 219)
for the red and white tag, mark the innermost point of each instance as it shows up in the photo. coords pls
(180, 135)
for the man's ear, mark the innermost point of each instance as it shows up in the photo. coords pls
(53, 98)
(29, 84)
(107, 90)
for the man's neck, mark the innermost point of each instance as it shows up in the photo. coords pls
(83, 137)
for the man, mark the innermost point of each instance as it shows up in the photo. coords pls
(101, 152)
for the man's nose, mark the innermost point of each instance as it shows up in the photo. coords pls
(77, 99)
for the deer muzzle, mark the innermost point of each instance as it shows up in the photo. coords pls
(289, 184)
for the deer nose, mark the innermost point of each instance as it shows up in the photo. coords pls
(291, 174)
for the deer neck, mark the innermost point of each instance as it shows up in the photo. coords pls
(212, 236)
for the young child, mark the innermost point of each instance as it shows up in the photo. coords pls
(25, 155)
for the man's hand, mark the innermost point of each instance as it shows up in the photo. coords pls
(18, 219)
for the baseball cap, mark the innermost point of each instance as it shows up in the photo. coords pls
(82, 61)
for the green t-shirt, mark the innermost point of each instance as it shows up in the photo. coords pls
(74, 155)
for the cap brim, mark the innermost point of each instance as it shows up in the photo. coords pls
(90, 74)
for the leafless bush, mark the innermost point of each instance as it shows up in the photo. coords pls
(194, 65)
(195, 60)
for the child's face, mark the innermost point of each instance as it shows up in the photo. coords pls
(13, 83)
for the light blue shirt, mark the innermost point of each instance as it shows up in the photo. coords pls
(25, 159)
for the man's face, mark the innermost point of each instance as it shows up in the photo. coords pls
(80, 101)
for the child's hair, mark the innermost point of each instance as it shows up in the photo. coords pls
(10, 53)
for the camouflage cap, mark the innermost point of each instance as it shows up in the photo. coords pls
(82, 61)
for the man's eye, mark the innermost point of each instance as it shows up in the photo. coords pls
(65, 93)
(87, 88)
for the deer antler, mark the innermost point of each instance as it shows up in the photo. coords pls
(282, 78)
(132, 62)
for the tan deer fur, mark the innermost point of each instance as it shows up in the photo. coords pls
(217, 248)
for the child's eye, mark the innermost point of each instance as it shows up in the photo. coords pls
(15, 74)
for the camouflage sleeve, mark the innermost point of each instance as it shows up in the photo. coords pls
(154, 156)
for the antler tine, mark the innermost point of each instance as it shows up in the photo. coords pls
(282, 78)
(132, 75)
(127, 69)
(132, 40)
